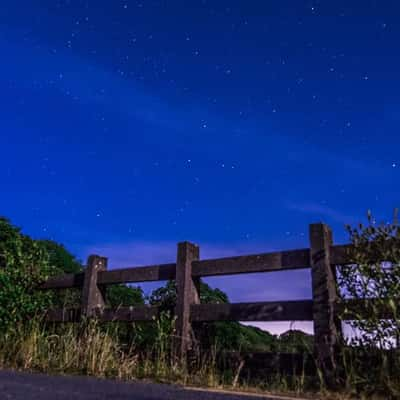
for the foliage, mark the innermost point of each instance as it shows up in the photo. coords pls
(375, 274)
(233, 336)
(65, 262)
(24, 265)
(370, 371)
(371, 358)
(60, 257)
(165, 296)
(295, 341)
(370, 365)
(212, 296)
(76, 349)
(50, 258)
(123, 295)
(223, 335)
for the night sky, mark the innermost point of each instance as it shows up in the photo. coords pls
(127, 126)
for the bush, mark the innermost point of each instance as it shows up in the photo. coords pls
(23, 267)
(375, 274)
(371, 359)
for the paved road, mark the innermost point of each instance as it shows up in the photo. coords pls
(26, 386)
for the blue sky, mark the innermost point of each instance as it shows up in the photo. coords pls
(128, 126)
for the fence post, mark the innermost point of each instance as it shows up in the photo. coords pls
(327, 328)
(187, 294)
(92, 296)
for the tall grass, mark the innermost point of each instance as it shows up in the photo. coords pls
(83, 349)
(89, 348)
(92, 349)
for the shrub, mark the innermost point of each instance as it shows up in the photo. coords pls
(375, 274)
(23, 267)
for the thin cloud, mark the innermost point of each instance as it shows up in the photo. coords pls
(321, 210)
(139, 252)
(88, 83)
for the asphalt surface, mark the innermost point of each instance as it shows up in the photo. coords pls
(27, 386)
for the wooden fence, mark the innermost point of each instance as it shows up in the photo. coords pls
(321, 258)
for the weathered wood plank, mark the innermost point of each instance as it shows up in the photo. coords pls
(63, 315)
(128, 314)
(122, 314)
(265, 262)
(93, 296)
(64, 281)
(327, 327)
(341, 254)
(261, 311)
(187, 293)
(162, 272)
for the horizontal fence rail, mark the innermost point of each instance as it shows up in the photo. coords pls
(268, 262)
(163, 272)
(66, 281)
(341, 254)
(259, 311)
(297, 310)
(323, 309)
(255, 263)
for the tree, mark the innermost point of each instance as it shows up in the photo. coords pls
(61, 258)
(24, 265)
(373, 280)
(165, 296)
(123, 295)
(295, 341)
(65, 262)
(374, 274)
(226, 335)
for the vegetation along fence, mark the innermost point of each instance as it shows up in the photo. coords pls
(323, 309)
